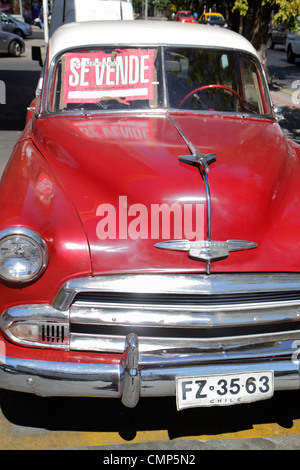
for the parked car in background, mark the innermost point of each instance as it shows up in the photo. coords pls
(185, 17)
(12, 25)
(292, 46)
(213, 19)
(277, 35)
(11, 44)
(66, 11)
(149, 223)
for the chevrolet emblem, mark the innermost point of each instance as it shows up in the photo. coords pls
(205, 250)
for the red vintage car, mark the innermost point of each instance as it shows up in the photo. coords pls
(149, 223)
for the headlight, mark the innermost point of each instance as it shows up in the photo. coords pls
(23, 254)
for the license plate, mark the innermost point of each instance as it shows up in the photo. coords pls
(223, 389)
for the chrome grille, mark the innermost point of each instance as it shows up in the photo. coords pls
(219, 314)
(182, 312)
(189, 333)
(184, 299)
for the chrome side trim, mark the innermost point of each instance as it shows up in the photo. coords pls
(177, 283)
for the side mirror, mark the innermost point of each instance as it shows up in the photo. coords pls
(278, 114)
(30, 110)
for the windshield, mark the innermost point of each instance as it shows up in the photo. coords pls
(109, 78)
(215, 18)
(124, 78)
(186, 14)
(214, 80)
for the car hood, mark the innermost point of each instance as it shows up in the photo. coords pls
(124, 178)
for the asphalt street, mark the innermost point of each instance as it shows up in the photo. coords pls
(20, 77)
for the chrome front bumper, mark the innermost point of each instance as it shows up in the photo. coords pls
(161, 327)
(132, 378)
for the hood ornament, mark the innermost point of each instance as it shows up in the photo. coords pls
(203, 250)
(206, 250)
(202, 160)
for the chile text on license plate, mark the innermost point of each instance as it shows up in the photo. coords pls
(223, 389)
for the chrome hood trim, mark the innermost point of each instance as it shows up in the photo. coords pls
(207, 250)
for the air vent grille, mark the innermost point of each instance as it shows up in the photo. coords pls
(53, 333)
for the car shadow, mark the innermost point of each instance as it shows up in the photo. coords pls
(109, 415)
(19, 92)
(291, 124)
(286, 73)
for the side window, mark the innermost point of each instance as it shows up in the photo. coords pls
(252, 87)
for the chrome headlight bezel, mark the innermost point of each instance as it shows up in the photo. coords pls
(34, 242)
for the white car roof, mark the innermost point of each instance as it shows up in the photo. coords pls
(140, 32)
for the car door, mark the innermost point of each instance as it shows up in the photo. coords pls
(296, 43)
(279, 34)
(7, 23)
(3, 42)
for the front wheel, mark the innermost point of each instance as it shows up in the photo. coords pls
(14, 49)
(290, 55)
(270, 43)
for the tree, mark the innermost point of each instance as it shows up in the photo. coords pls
(16, 7)
(287, 12)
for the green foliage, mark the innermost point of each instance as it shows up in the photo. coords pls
(162, 4)
(241, 6)
(287, 11)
